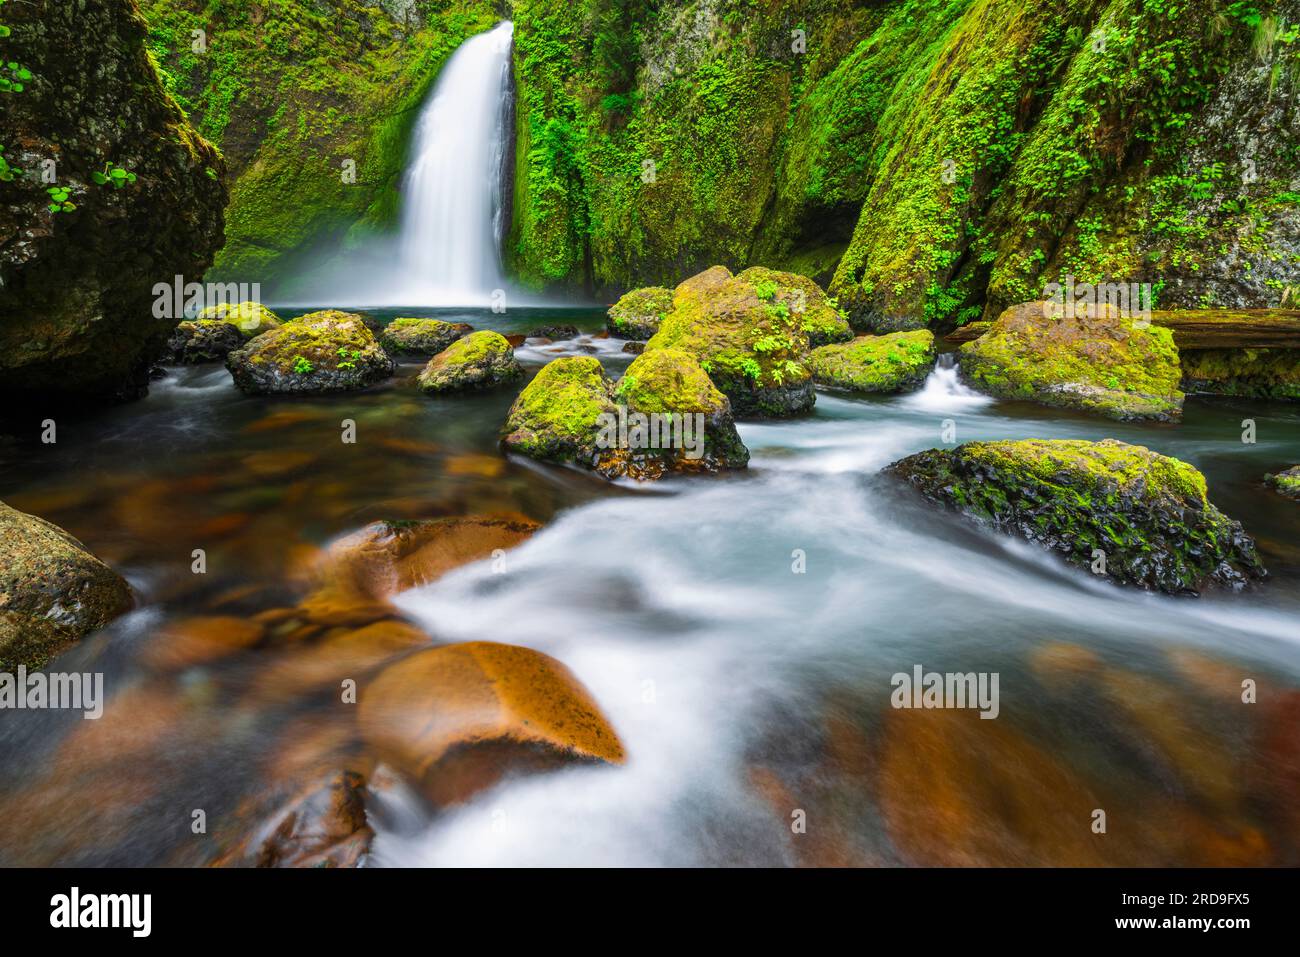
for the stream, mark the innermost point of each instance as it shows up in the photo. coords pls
(740, 634)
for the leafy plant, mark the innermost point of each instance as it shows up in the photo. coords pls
(302, 365)
(59, 202)
(13, 76)
(349, 357)
(7, 172)
(114, 175)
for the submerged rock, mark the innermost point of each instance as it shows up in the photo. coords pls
(250, 318)
(203, 340)
(749, 345)
(142, 202)
(637, 314)
(324, 825)
(665, 415)
(421, 337)
(1146, 514)
(554, 332)
(896, 362)
(455, 719)
(328, 351)
(1287, 481)
(52, 590)
(480, 360)
(1095, 360)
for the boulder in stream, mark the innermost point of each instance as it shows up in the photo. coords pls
(327, 351)
(637, 314)
(1286, 481)
(406, 336)
(52, 590)
(1144, 517)
(897, 362)
(203, 340)
(250, 318)
(480, 360)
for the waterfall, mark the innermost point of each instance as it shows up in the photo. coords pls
(452, 213)
(943, 391)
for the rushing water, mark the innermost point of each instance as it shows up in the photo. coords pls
(746, 692)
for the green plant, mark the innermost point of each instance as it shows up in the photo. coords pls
(349, 357)
(7, 172)
(13, 76)
(113, 175)
(59, 202)
(302, 365)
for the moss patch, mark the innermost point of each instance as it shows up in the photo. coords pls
(479, 360)
(891, 363)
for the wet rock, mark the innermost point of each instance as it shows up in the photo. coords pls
(1148, 513)
(1286, 482)
(351, 653)
(633, 348)
(78, 297)
(203, 340)
(747, 340)
(323, 826)
(1251, 373)
(480, 360)
(1095, 360)
(52, 590)
(455, 719)
(385, 558)
(421, 337)
(201, 640)
(897, 362)
(250, 318)
(554, 332)
(327, 351)
(571, 413)
(637, 314)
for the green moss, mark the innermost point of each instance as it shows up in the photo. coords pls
(668, 381)
(1254, 373)
(556, 416)
(638, 313)
(1105, 363)
(407, 335)
(889, 363)
(478, 360)
(1287, 481)
(252, 318)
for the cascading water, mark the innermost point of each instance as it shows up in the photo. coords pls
(452, 213)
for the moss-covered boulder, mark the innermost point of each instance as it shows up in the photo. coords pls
(454, 719)
(1287, 481)
(1251, 373)
(818, 317)
(749, 345)
(1143, 517)
(203, 340)
(665, 415)
(327, 351)
(250, 318)
(52, 590)
(421, 337)
(1094, 359)
(140, 198)
(480, 360)
(554, 331)
(557, 417)
(896, 362)
(677, 420)
(637, 314)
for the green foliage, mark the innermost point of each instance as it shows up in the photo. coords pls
(7, 172)
(59, 201)
(113, 175)
(302, 365)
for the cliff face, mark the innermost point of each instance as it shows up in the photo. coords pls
(78, 266)
(941, 158)
(311, 102)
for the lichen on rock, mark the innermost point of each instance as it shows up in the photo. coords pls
(326, 351)
(52, 590)
(405, 336)
(896, 362)
(1146, 517)
(480, 360)
(1094, 359)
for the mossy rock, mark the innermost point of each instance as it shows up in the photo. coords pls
(1147, 513)
(455, 719)
(1250, 373)
(897, 362)
(1095, 360)
(421, 337)
(321, 352)
(52, 590)
(637, 314)
(1287, 481)
(819, 319)
(557, 416)
(250, 318)
(749, 346)
(554, 332)
(480, 360)
(664, 387)
(203, 340)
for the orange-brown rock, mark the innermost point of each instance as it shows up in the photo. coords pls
(348, 654)
(454, 719)
(201, 640)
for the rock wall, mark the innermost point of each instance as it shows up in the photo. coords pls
(78, 266)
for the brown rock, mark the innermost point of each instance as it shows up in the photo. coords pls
(201, 640)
